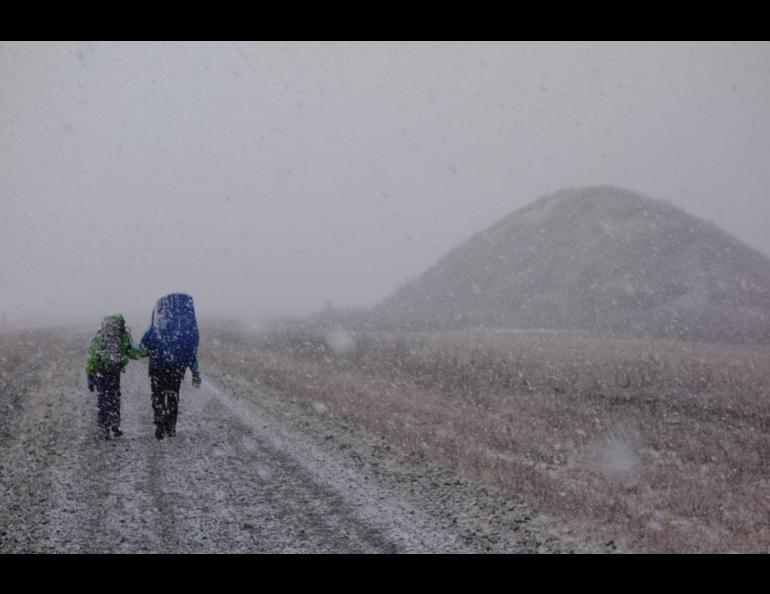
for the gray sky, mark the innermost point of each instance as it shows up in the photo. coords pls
(270, 178)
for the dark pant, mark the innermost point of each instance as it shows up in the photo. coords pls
(165, 385)
(108, 399)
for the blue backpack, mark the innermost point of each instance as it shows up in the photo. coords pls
(173, 333)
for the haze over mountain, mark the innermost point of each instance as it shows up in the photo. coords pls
(598, 259)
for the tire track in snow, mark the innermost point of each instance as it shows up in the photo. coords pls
(387, 523)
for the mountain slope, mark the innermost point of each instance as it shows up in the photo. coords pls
(597, 259)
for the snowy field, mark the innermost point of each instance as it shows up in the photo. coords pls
(252, 469)
(656, 445)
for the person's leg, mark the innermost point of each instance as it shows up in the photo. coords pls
(102, 405)
(158, 402)
(172, 400)
(112, 393)
(171, 413)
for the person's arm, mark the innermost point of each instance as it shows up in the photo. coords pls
(133, 352)
(148, 341)
(196, 373)
(92, 362)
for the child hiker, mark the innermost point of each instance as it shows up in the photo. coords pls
(108, 356)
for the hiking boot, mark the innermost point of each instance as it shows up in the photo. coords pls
(116, 430)
(159, 431)
(170, 429)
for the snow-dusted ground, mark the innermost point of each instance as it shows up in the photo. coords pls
(250, 470)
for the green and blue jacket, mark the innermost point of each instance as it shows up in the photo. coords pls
(98, 360)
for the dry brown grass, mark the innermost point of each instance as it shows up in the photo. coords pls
(661, 445)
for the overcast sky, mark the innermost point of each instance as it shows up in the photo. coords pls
(271, 178)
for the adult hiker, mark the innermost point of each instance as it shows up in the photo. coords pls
(108, 356)
(172, 341)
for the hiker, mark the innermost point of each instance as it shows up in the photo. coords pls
(108, 356)
(172, 342)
